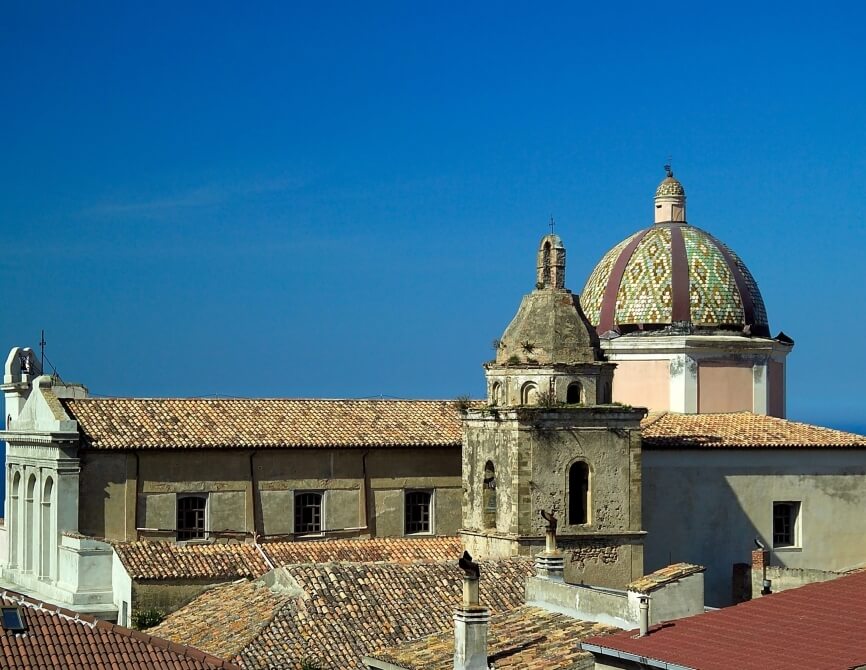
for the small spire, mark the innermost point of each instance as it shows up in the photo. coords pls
(670, 173)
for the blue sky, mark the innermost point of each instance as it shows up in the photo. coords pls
(344, 200)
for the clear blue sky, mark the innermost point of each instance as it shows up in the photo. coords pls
(344, 199)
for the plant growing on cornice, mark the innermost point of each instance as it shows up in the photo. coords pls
(513, 359)
(462, 403)
(497, 344)
(548, 400)
(528, 346)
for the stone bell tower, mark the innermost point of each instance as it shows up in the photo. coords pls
(549, 438)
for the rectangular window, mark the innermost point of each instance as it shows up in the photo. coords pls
(308, 512)
(786, 524)
(418, 508)
(191, 517)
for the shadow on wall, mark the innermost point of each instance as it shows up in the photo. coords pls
(687, 521)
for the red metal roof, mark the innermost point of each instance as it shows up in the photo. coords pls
(820, 627)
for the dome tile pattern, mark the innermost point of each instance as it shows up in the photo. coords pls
(670, 187)
(673, 272)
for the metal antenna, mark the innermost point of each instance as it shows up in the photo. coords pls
(552, 224)
(42, 344)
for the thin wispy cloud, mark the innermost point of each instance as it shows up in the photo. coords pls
(200, 197)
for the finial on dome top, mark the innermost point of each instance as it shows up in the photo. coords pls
(670, 173)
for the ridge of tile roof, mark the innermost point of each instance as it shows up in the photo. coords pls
(818, 626)
(666, 575)
(57, 638)
(736, 430)
(337, 612)
(180, 423)
(525, 638)
(154, 560)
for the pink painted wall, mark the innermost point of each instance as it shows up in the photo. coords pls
(776, 380)
(643, 384)
(725, 387)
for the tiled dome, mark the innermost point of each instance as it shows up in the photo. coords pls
(670, 187)
(672, 273)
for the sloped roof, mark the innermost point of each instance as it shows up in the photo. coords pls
(819, 626)
(526, 638)
(58, 638)
(738, 430)
(338, 612)
(146, 559)
(178, 423)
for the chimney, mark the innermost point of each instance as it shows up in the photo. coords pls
(760, 562)
(550, 564)
(644, 615)
(470, 628)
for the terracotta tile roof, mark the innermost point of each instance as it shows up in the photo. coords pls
(671, 573)
(526, 638)
(57, 639)
(341, 611)
(667, 430)
(146, 559)
(165, 560)
(390, 549)
(818, 626)
(166, 423)
(236, 614)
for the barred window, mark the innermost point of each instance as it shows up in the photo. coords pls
(308, 512)
(418, 512)
(786, 517)
(191, 517)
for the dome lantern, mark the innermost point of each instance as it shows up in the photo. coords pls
(670, 200)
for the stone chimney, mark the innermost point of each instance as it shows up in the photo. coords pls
(550, 564)
(470, 626)
(760, 563)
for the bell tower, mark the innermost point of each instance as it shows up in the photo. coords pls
(550, 438)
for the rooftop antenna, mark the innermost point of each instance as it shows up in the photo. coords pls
(552, 224)
(42, 344)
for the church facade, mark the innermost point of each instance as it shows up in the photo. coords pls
(563, 428)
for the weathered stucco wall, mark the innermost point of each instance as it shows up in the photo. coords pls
(706, 507)
(253, 491)
(166, 595)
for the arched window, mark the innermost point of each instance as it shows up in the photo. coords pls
(14, 520)
(488, 495)
(496, 394)
(29, 520)
(545, 273)
(47, 548)
(574, 395)
(529, 394)
(578, 493)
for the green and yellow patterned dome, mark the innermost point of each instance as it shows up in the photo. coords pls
(673, 274)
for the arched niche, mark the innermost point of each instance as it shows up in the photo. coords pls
(47, 544)
(529, 394)
(574, 394)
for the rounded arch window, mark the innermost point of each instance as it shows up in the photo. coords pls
(578, 493)
(488, 496)
(574, 394)
(529, 394)
(496, 394)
